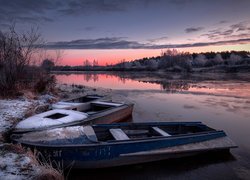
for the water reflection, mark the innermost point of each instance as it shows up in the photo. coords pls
(172, 169)
(218, 84)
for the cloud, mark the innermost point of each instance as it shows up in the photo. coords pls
(47, 10)
(155, 40)
(237, 30)
(223, 22)
(89, 28)
(77, 7)
(242, 26)
(50, 10)
(120, 43)
(26, 11)
(100, 43)
(180, 2)
(193, 29)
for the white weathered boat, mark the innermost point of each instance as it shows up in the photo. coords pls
(91, 113)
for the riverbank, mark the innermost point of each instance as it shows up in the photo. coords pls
(240, 68)
(16, 162)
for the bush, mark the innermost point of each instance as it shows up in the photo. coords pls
(45, 83)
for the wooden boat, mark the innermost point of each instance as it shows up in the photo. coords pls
(91, 113)
(76, 103)
(107, 145)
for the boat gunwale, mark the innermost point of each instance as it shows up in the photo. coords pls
(73, 99)
(130, 141)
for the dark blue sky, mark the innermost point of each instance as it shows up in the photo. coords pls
(133, 24)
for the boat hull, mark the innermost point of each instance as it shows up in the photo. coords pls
(125, 153)
(113, 115)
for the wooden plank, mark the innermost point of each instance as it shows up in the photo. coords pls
(90, 133)
(118, 134)
(161, 132)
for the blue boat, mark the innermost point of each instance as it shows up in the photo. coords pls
(108, 145)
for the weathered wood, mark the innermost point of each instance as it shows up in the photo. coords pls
(118, 134)
(161, 132)
(90, 133)
(214, 144)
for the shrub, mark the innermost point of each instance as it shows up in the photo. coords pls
(45, 83)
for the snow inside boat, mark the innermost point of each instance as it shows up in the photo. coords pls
(76, 103)
(108, 145)
(92, 113)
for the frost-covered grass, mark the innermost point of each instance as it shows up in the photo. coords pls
(18, 163)
(17, 166)
(13, 110)
(15, 162)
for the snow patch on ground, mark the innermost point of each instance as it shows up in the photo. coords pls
(17, 166)
(10, 110)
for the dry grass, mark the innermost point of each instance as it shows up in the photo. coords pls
(47, 165)
(16, 148)
(43, 169)
(51, 174)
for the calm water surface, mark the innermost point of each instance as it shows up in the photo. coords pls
(221, 101)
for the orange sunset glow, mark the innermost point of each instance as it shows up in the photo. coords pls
(76, 57)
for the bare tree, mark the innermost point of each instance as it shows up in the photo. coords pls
(17, 61)
(95, 62)
(87, 63)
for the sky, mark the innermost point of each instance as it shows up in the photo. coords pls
(112, 30)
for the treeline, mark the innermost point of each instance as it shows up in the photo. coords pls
(173, 60)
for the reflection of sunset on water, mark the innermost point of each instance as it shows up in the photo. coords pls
(126, 81)
(227, 89)
(105, 81)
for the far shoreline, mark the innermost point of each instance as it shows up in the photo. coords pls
(214, 69)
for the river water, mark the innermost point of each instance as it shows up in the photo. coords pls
(221, 101)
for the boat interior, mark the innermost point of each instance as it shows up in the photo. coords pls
(94, 108)
(112, 133)
(85, 99)
(140, 132)
(89, 109)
